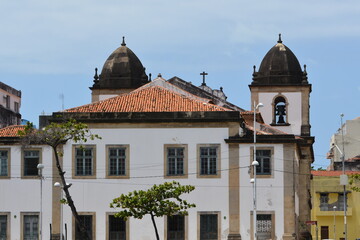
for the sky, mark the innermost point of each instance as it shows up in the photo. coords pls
(50, 48)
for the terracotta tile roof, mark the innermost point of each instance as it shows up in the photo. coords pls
(332, 173)
(354, 159)
(265, 129)
(248, 116)
(151, 99)
(11, 131)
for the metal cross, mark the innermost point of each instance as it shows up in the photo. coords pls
(203, 74)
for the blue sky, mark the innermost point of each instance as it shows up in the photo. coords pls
(49, 48)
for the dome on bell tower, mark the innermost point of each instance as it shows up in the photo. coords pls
(280, 67)
(122, 70)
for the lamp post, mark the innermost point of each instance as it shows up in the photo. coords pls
(334, 209)
(344, 182)
(255, 163)
(58, 185)
(40, 168)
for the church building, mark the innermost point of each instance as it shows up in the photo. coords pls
(163, 130)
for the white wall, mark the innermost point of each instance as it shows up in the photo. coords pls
(270, 193)
(147, 161)
(23, 195)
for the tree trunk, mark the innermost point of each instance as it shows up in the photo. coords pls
(154, 223)
(80, 224)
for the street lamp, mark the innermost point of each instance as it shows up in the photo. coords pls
(344, 182)
(334, 209)
(40, 168)
(343, 177)
(255, 163)
(58, 185)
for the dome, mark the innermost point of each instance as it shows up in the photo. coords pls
(122, 69)
(280, 67)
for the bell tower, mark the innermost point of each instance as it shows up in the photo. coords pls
(283, 87)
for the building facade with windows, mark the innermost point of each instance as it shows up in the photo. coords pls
(347, 139)
(328, 206)
(10, 102)
(156, 131)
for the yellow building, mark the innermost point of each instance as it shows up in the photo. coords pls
(328, 207)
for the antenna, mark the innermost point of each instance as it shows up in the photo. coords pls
(61, 96)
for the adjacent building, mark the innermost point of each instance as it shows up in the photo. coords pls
(347, 140)
(328, 206)
(10, 102)
(165, 130)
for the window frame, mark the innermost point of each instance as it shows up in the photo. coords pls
(23, 176)
(16, 107)
(218, 213)
(74, 162)
(271, 174)
(22, 222)
(93, 224)
(166, 225)
(127, 227)
(273, 222)
(185, 161)
(127, 161)
(218, 161)
(8, 167)
(7, 214)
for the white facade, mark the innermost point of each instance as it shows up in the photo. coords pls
(147, 161)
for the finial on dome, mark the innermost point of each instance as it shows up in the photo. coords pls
(254, 69)
(305, 68)
(123, 42)
(279, 41)
(159, 75)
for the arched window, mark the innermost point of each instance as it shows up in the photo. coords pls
(280, 114)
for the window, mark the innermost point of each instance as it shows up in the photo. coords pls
(324, 202)
(31, 227)
(209, 161)
(16, 107)
(31, 159)
(4, 227)
(4, 163)
(117, 228)
(117, 161)
(264, 226)
(341, 201)
(176, 227)
(264, 159)
(280, 111)
(84, 161)
(209, 226)
(7, 101)
(88, 223)
(175, 161)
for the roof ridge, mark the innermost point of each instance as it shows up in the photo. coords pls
(137, 100)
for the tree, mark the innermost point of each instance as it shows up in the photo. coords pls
(160, 200)
(354, 180)
(55, 135)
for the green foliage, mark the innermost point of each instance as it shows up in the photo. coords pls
(55, 134)
(64, 201)
(159, 200)
(354, 179)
